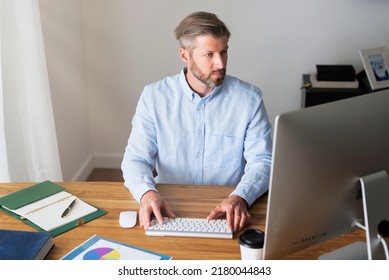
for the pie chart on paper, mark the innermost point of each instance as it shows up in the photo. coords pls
(102, 253)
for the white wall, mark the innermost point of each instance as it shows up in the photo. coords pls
(122, 45)
(63, 33)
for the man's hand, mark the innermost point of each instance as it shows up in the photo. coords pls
(152, 202)
(236, 212)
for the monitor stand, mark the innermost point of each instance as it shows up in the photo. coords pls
(375, 195)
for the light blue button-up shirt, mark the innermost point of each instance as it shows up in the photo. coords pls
(221, 139)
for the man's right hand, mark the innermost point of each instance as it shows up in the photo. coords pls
(153, 203)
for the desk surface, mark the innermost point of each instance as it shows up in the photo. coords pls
(185, 200)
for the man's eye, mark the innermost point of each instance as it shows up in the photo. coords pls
(209, 55)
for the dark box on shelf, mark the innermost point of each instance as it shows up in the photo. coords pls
(335, 73)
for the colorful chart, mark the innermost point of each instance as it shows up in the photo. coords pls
(102, 253)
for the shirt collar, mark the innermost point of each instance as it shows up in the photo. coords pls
(193, 96)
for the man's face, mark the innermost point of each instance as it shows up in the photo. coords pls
(208, 60)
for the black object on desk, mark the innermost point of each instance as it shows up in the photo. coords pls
(335, 73)
(314, 96)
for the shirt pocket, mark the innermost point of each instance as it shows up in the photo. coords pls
(224, 152)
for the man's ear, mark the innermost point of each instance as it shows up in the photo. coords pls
(184, 55)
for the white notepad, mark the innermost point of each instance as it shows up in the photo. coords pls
(47, 212)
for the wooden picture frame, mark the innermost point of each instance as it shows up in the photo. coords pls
(376, 64)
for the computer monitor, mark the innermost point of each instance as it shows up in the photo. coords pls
(319, 155)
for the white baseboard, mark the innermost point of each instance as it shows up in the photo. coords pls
(97, 161)
(85, 170)
(108, 161)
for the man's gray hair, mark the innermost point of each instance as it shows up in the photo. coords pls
(199, 23)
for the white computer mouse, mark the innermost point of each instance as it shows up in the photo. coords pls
(127, 219)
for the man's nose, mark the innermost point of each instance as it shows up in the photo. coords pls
(219, 61)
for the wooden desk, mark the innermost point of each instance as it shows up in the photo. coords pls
(185, 200)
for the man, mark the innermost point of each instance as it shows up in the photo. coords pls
(200, 127)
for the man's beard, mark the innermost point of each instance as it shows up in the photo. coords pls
(207, 79)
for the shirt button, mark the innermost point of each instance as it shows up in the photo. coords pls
(199, 154)
(200, 131)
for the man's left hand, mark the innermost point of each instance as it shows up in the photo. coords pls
(236, 210)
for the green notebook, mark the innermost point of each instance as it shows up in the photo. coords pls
(42, 205)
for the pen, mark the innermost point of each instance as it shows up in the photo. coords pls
(67, 210)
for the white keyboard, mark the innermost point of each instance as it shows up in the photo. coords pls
(189, 227)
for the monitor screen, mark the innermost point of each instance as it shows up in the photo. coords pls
(319, 155)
